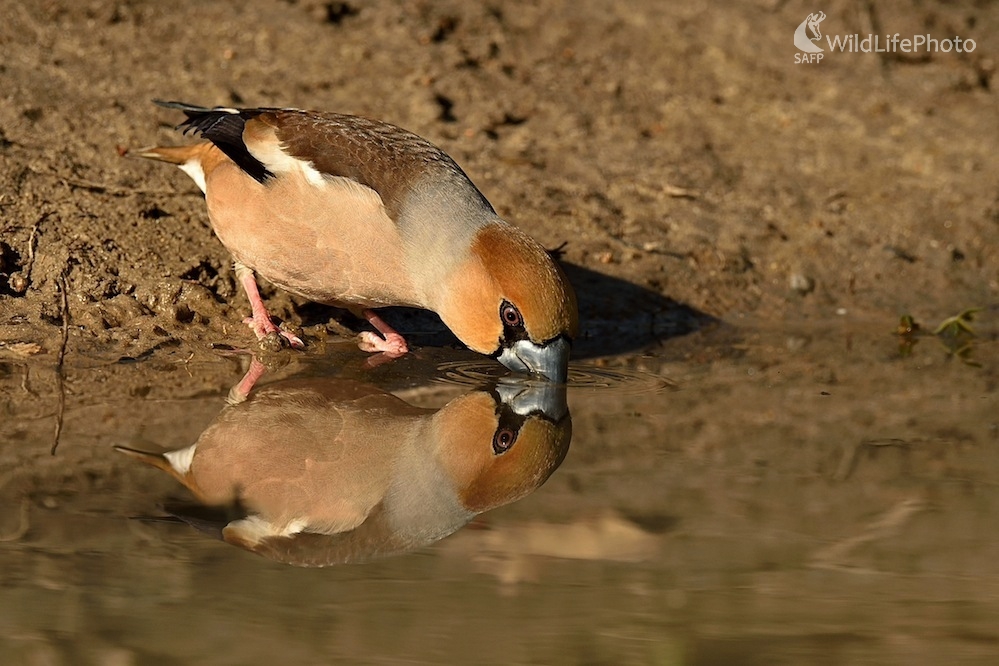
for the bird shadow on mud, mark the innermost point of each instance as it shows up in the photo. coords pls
(616, 317)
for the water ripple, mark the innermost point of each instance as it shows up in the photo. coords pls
(581, 377)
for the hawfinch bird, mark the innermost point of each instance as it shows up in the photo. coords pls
(362, 214)
(314, 472)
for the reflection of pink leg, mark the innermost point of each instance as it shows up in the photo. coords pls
(260, 323)
(389, 342)
(241, 390)
(376, 360)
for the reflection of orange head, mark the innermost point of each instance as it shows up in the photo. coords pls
(470, 443)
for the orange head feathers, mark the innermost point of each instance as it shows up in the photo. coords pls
(510, 300)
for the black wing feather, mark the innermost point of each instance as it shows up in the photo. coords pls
(210, 520)
(224, 128)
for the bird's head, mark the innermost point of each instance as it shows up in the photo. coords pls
(500, 445)
(509, 299)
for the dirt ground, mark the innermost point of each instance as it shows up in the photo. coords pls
(675, 146)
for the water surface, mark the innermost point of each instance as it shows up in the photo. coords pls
(735, 496)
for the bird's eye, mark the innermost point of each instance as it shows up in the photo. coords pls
(503, 440)
(510, 315)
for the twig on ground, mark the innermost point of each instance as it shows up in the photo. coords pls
(60, 382)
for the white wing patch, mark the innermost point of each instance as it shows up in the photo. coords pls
(181, 459)
(255, 529)
(193, 169)
(270, 153)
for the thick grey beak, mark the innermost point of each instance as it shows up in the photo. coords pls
(550, 360)
(526, 397)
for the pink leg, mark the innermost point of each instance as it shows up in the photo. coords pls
(389, 342)
(260, 322)
(241, 390)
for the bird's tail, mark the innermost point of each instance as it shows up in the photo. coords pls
(196, 115)
(157, 460)
(171, 154)
(191, 108)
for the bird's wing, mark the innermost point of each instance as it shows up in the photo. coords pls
(264, 142)
(372, 539)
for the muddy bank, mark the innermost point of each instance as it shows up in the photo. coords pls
(679, 149)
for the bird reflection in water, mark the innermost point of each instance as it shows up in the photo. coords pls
(321, 471)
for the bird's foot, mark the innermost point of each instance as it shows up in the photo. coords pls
(389, 342)
(263, 327)
(393, 344)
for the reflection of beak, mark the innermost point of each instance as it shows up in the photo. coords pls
(550, 360)
(533, 397)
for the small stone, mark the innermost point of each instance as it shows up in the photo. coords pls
(18, 283)
(801, 283)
